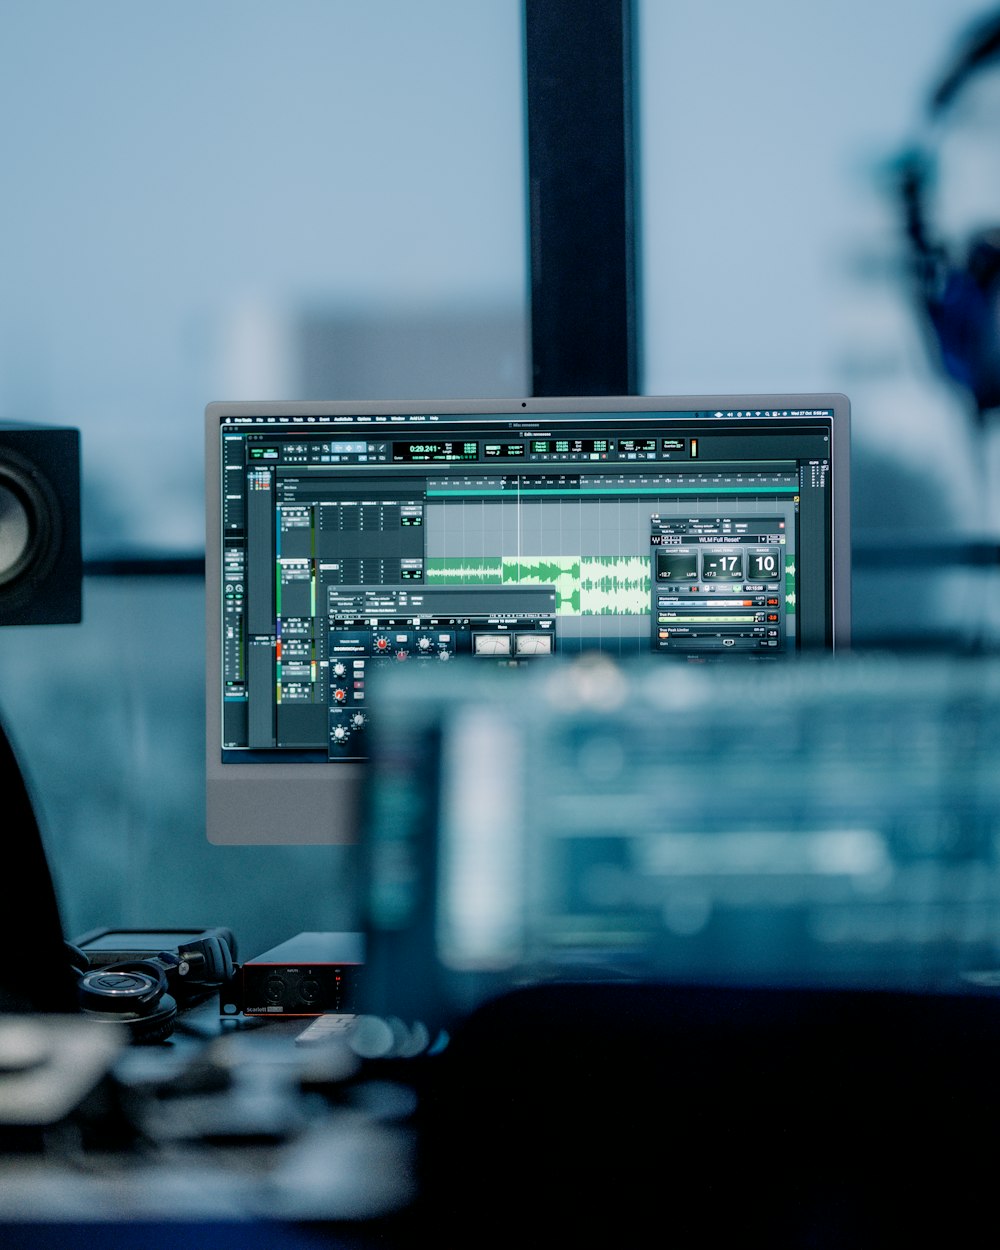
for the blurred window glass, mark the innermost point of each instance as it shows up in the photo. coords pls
(233, 200)
(244, 200)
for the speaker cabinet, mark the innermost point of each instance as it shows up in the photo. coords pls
(41, 566)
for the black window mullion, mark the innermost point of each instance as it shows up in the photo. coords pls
(582, 197)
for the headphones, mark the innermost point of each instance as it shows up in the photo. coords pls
(141, 991)
(960, 296)
(133, 993)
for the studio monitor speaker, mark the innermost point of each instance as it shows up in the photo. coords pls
(40, 562)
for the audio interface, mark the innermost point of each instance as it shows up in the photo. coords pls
(308, 975)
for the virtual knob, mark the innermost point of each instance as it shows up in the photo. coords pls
(340, 735)
(357, 720)
(381, 645)
(339, 694)
(424, 643)
(339, 669)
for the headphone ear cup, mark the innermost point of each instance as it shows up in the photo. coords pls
(223, 960)
(132, 994)
(158, 1025)
(966, 321)
(956, 315)
(210, 959)
(154, 1024)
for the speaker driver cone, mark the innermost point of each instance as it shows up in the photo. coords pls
(29, 524)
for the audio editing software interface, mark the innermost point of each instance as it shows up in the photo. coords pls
(352, 543)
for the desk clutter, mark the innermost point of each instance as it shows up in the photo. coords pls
(220, 1123)
(156, 1101)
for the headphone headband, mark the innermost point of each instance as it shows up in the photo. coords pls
(979, 49)
(959, 294)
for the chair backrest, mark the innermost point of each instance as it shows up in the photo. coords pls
(35, 972)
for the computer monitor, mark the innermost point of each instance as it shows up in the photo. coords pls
(346, 537)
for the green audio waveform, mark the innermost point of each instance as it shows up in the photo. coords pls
(614, 585)
(584, 585)
(562, 572)
(546, 571)
(472, 571)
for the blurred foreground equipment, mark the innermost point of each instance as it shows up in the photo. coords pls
(716, 946)
(822, 823)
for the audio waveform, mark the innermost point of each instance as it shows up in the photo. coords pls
(584, 585)
(472, 571)
(546, 571)
(614, 585)
(789, 584)
(562, 572)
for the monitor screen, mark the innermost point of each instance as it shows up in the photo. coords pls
(346, 537)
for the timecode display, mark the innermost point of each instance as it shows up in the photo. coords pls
(435, 450)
